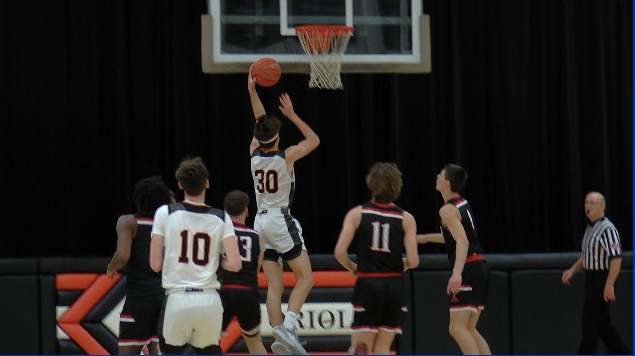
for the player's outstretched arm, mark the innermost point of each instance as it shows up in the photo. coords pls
(351, 223)
(311, 139)
(410, 241)
(256, 106)
(436, 238)
(126, 226)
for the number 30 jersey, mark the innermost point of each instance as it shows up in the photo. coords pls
(273, 185)
(193, 236)
(380, 235)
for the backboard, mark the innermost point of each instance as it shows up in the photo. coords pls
(389, 35)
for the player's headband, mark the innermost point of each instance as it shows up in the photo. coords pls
(271, 140)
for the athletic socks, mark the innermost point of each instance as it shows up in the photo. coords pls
(290, 319)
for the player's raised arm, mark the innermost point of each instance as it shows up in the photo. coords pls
(311, 139)
(256, 106)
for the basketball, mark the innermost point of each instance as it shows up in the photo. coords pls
(266, 71)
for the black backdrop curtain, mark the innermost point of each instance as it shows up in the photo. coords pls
(532, 97)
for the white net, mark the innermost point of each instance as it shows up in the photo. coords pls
(325, 46)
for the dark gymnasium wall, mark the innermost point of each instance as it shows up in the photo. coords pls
(529, 310)
(532, 97)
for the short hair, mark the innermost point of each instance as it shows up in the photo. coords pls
(193, 175)
(149, 194)
(384, 181)
(602, 199)
(236, 202)
(266, 128)
(457, 176)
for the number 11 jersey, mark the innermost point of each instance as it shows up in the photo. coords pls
(380, 235)
(273, 185)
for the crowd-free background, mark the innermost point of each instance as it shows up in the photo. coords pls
(532, 97)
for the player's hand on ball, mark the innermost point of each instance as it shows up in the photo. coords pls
(286, 107)
(251, 81)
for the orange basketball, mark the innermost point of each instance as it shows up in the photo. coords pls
(266, 71)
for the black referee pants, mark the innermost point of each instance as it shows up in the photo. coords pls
(596, 320)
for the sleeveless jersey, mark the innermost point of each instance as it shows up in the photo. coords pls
(193, 236)
(467, 220)
(380, 235)
(139, 274)
(249, 249)
(273, 185)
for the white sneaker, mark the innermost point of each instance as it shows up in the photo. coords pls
(289, 339)
(279, 348)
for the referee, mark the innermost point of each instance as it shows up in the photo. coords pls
(601, 259)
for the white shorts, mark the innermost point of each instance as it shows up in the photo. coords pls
(279, 230)
(193, 317)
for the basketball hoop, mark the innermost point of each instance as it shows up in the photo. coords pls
(325, 46)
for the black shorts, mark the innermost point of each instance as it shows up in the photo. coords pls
(474, 287)
(378, 304)
(244, 304)
(139, 318)
(275, 256)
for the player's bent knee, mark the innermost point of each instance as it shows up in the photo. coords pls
(454, 330)
(307, 280)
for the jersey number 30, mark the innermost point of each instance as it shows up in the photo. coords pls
(199, 237)
(268, 181)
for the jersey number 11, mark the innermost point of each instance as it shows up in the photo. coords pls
(385, 236)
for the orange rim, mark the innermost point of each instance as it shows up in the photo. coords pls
(325, 30)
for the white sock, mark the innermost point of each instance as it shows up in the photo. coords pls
(289, 320)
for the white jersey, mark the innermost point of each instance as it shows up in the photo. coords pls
(273, 185)
(193, 235)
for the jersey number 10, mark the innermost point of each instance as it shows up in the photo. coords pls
(198, 238)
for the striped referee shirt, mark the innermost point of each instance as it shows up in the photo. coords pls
(601, 242)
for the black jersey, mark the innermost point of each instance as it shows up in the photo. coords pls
(249, 249)
(140, 275)
(380, 235)
(467, 220)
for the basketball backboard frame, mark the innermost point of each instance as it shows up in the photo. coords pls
(215, 61)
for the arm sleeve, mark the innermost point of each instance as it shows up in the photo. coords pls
(610, 241)
(160, 217)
